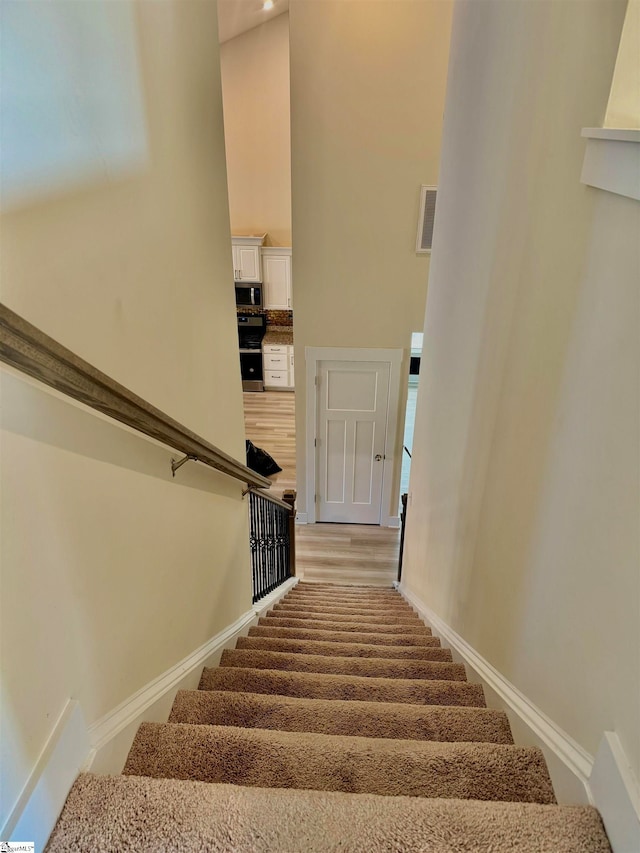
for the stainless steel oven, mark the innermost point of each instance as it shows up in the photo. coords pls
(249, 294)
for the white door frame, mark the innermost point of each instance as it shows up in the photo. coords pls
(313, 355)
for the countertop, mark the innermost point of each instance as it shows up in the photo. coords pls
(279, 335)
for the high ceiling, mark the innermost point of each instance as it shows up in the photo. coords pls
(238, 16)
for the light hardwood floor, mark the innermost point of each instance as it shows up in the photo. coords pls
(334, 553)
(269, 421)
(347, 553)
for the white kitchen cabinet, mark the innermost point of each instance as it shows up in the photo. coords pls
(277, 361)
(276, 272)
(247, 260)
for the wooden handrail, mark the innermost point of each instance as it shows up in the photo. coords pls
(272, 498)
(28, 349)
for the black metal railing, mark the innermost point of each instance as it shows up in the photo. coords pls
(272, 540)
(403, 521)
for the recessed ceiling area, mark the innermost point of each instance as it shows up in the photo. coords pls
(238, 16)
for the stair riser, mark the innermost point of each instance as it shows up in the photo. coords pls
(321, 686)
(365, 618)
(345, 636)
(356, 625)
(380, 668)
(335, 601)
(336, 717)
(343, 601)
(355, 765)
(315, 647)
(343, 589)
(397, 612)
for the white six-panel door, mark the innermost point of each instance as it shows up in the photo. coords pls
(352, 407)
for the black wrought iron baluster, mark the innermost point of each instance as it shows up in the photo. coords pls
(263, 552)
(271, 535)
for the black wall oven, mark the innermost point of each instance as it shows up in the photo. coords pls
(249, 294)
(251, 330)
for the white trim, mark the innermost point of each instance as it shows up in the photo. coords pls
(302, 518)
(612, 161)
(41, 800)
(72, 747)
(617, 134)
(561, 744)
(248, 239)
(616, 795)
(260, 607)
(393, 521)
(111, 736)
(276, 250)
(313, 355)
(106, 728)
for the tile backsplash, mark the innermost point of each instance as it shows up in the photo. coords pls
(274, 318)
(279, 318)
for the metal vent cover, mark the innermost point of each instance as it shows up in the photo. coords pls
(426, 218)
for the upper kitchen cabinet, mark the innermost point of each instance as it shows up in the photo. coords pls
(276, 270)
(246, 258)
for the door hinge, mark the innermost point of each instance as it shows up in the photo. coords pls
(315, 442)
(315, 499)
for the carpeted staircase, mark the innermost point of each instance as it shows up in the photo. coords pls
(338, 724)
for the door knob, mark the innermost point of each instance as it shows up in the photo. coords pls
(378, 457)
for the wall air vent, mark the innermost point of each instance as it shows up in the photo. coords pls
(426, 219)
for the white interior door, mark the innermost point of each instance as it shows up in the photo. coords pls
(352, 407)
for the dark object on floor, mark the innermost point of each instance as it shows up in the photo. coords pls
(260, 461)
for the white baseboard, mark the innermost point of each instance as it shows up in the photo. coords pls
(302, 518)
(112, 735)
(266, 603)
(569, 764)
(616, 795)
(103, 747)
(42, 798)
(393, 521)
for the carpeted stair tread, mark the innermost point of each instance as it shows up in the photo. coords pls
(359, 650)
(356, 624)
(277, 759)
(313, 685)
(381, 592)
(132, 814)
(331, 610)
(270, 630)
(346, 587)
(308, 602)
(374, 604)
(340, 717)
(368, 667)
(366, 618)
(346, 591)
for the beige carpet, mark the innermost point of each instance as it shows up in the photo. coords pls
(382, 667)
(137, 815)
(338, 724)
(357, 650)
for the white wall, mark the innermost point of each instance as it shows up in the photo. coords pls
(257, 128)
(112, 571)
(623, 109)
(522, 531)
(367, 95)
